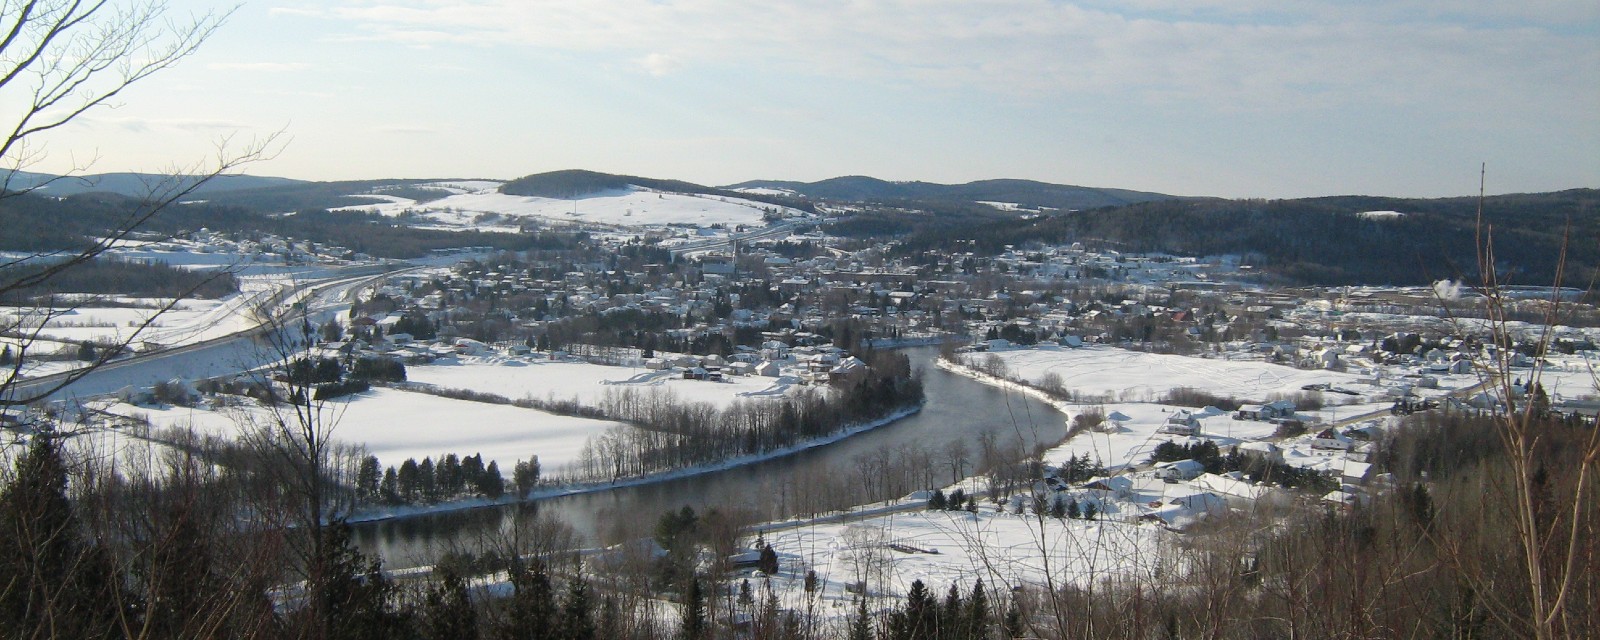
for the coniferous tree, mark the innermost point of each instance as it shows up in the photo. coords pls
(1013, 619)
(861, 621)
(577, 611)
(389, 489)
(532, 609)
(410, 480)
(491, 484)
(358, 600)
(53, 581)
(978, 612)
(694, 612)
(952, 615)
(447, 611)
(428, 481)
(368, 478)
(768, 563)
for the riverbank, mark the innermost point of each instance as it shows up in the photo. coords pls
(1069, 408)
(376, 514)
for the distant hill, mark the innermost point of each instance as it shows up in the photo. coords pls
(1337, 240)
(577, 183)
(1027, 193)
(135, 184)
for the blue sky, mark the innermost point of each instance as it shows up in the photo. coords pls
(1254, 98)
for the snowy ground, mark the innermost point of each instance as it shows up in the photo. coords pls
(1136, 376)
(476, 203)
(395, 425)
(889, 546)
(542, 379)
(944, 548)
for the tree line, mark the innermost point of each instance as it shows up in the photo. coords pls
(667, 434)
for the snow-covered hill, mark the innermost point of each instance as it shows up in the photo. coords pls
(479, 204)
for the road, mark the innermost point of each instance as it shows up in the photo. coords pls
(779, 230)
(223, 356)
(1465, 392)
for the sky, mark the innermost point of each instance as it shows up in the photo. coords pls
(1246, 98)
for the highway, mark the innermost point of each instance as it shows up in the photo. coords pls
(779, 230)
(223, 356)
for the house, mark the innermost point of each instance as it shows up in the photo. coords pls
(1241, 494)
(1179, 470)
(1278, 409)
(1181, 512)
(769, 369)
(1331, 440)
(1264, 450)
(1181, 423)
(1115, 487)
(694, 373)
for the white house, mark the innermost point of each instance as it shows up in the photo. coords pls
(1179, 470)
(1241, 494)
(1181, 423)
(1331, 440)
(769, 369)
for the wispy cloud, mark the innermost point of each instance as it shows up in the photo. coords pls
(1250, 54)
(271, 67)
(149, 125)
(405, 129)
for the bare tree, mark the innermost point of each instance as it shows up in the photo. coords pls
(59, 59)
(1551, 530)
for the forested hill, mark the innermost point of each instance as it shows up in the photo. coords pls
(139, 184)
(577, 183)
(1330, 240)
(35, 224)
(1027, 193)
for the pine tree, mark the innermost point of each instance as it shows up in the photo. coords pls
(577, 611)
(694, 612)
(410, 480)
(447, 611)
(358, 600)
(768, 563)
(952, 616)
(861, 622)
(1073, 510)
(491, 484)
(64, 585)
(1013, 619)
(368, 478)
(390, 487)
(428, 481)
(978, 612)
(532, 609)
(937, 501)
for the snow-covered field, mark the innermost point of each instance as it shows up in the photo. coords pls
(1136, 376)
(542, 379)
(944, 548)
(634, 206)
(395, 425)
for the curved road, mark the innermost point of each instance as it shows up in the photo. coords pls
(227, 355)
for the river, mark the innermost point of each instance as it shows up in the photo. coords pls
(957, 408)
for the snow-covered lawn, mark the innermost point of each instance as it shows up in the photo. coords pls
(543, 379)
